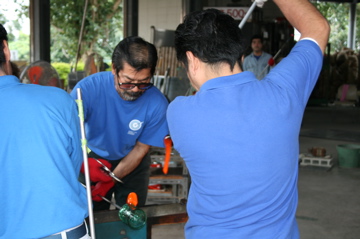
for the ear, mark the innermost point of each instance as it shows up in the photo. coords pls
(6, 68)
(113, 69)
(193, 62)
(6, 51)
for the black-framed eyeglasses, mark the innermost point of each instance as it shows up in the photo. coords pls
(140, 86)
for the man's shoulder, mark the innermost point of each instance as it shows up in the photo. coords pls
(182, 103)
(97, 78)
(154, 94)
(248, 56)
(96, 81)
(247, 59)
(45, 90)
(47, 95)
(266, 54)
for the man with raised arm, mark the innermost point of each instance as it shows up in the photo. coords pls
(238, 135)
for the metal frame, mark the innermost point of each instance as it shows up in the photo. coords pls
(40, 23)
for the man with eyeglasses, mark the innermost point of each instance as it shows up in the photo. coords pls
(124, 115)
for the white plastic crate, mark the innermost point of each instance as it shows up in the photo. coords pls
(309, 160)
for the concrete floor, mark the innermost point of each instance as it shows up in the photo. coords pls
(329, 199)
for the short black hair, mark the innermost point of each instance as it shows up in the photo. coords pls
(3, 36)
(211, 35)
(136, 52)
(257, 36)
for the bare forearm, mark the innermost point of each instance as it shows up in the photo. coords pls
(306, 19)
(132, 160)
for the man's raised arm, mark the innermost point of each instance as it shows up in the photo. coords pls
(304, 16)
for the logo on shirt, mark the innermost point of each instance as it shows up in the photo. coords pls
(135, 124)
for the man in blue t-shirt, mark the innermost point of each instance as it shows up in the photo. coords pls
(258, 60)
(238, 135)
(125, 115)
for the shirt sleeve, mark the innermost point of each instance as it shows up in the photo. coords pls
(156, 128)
(299, 71)
(74, 124)
(86, 100)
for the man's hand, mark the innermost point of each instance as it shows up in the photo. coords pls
(100, 189)
(97, 174)
(259, 3)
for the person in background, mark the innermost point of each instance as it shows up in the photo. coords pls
(40, 159)
(257, 61)
(246, 52)
(237, 135)
(124, 115)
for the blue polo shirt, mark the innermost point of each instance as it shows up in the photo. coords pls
(40, 159)
(239, 139)
(113, 125)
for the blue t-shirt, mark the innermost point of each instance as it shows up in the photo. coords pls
(239, 139)
(40, 159)
(113, 125)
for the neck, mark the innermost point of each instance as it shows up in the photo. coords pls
(220, 70)
(5, 69)
(258, 53)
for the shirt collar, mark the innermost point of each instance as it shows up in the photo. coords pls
(8, 79)
(226, 81)
(252, 53)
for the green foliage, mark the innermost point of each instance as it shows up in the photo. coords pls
(357, 36)
(21, 45)
(63, 70)
(17, 25)
(100, 35)
(338, 15)
(18, 40)
(58, 52)
(2, 18)
(11, 36)
(23, 9)
(102, 27)
(10, 30)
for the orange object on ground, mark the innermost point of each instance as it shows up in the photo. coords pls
(168, 147)
(132, 200)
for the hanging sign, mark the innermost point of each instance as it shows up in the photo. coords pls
(237, 13)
